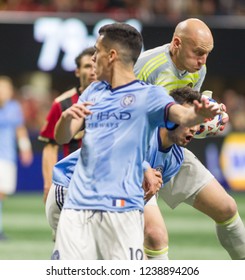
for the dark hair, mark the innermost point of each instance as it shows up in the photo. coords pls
(185, 95)
(124, 35)
(87, 51)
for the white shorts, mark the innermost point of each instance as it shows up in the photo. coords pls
(8, 177)
(54, 204)
(93, 235)
(152, 201)
(187, 183)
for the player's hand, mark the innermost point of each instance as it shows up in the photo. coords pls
(206, 109)
(26, 157)
(152, 183)
(78, 111)
(225, 116)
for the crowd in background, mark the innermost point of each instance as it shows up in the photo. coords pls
(36, 97)
(142, 9)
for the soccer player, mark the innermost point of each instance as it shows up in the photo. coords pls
(13, 134)
(85, 72)
(102, 214)
(175, 65)
(62, 173)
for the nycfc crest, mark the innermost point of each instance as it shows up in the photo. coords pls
(128, 100)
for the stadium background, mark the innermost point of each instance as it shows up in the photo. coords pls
(23, 39)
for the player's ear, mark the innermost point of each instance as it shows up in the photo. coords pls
(77, 73)
(112, 55)
(177, 42)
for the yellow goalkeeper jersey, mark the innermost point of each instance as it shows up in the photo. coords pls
(155, 66)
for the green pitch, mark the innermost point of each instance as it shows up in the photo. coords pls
(192, 235)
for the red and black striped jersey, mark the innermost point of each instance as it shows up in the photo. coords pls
(60, 104)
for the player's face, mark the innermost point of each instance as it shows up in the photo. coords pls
(183, 135)
(86, 72)
(192, 55)
(101, 60)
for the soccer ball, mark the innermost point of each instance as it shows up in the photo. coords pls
(211, 126)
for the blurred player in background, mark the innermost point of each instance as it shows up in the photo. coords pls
(13, 135)
(85, 72)
(180, 63)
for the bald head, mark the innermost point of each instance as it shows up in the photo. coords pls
(194, 29)
(191, 44)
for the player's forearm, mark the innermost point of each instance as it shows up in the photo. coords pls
(192, 115)
(49, 159)
(24, 145)
(66, 128)
(71, 121)
(182, 116)
(62, 132)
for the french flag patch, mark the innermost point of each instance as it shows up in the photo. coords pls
(118, 202)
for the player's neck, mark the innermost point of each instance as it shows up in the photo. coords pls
(165, 141)
(122, 77)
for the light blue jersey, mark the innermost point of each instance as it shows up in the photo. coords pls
(109, 173)
(10, 118)
(167, 161)
(63, 169)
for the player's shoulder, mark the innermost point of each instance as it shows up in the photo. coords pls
(151, 87)
(151, 62)
(14, 105)
(96, 88)
(14, 102)
(154, 51)
(66, 95)
(98, 85)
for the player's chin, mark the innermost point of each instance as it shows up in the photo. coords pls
(184, 142)
(193, 69)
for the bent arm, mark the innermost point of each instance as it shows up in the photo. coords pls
(71, 121)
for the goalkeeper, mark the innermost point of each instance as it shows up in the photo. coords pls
(180, 63)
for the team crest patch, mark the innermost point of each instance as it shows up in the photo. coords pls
(55, 255)
(128, 100)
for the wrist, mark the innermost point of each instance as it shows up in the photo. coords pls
(24, 144)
